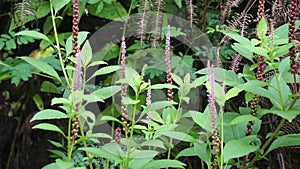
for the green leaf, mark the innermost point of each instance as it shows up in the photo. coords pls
(106, 70)
(56, 100)
(262, 28)
(102, 153)
(86, 54)
(45, 68)
(179, 136)
(154, 143)
(128, 101)
(108, 52)
(163, 86)
(239, 148)
(285, 141)
(242, 50)
(186, 152)
(99, 7)
(113, 11)
(178, 3)
(290, 115)
(34, 34)
(164, 164)
(242, 40)
(202, 150)
(48, 114)
(199, 81)
(58, 4)
(243, 118)
(10, 44)
(107, 92)
(38, 101)
(49, 87)
(50, 127)
(202, 119)
(110, 118)
(232, 93)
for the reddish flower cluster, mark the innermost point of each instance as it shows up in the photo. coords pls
(292, 35)
(75, 28)
(118, 135)
(168, 63)
(212, 106)
(261, 9)
(123, 85)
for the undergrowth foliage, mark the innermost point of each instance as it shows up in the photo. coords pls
(251, 79)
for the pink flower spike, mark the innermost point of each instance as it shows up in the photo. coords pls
(168, 63)
(78, 70)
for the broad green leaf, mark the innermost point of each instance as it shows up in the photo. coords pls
(113, 11)
(285, 141)
(58, 4)
(102, 153)
(242, 40)
(42, 66)
(199, 81)
(34, 34)
(100, 135)
(239, 148)
(158, 105)
(232, 93)
(108, 52)
(244, 118)
(162, 129)
(290, 115)
(86, 54)
(242, 50)
(49, 87)
(163, 86)
(48, 126)
(178, 3)
(179, 136)
(63, 164)
(49, 114)
(279, 92)
(262, 28)
(177, 79)
(154, 143)
(203, 151)
(38, 101)
(107, 92)
(144, 154)
(139, 162)
(106, 70)
(164, 164)
(56, 100)
(128, 101)
(202, 119)
(110, 118)
(186, 152)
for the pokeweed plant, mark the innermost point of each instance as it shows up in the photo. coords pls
(234, 126)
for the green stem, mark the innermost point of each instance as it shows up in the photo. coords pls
(131, 135)
(69, 138)
(57, 46)
(271, 138)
